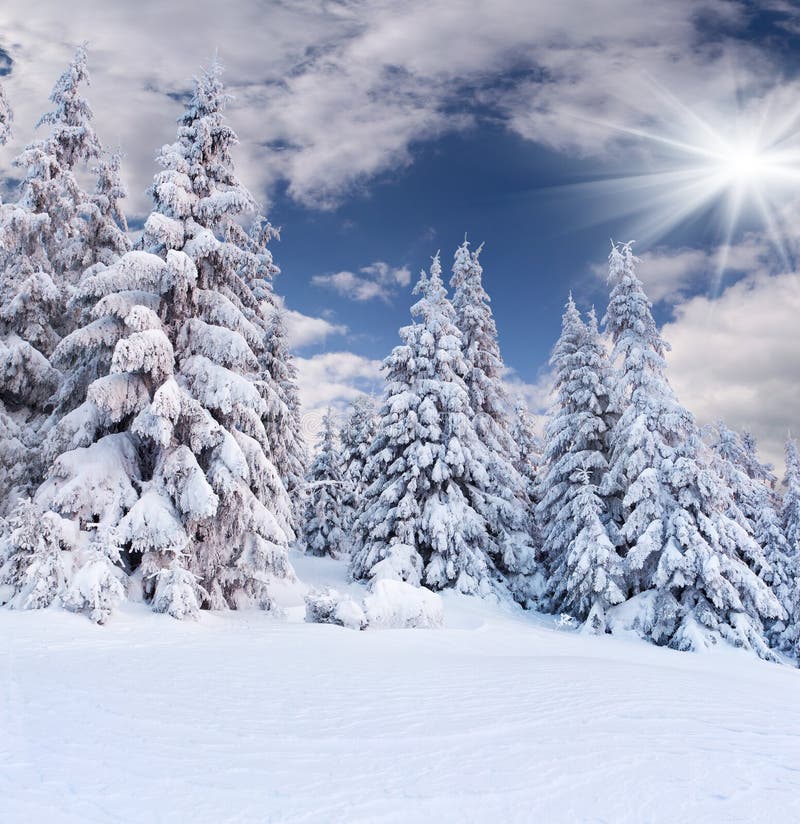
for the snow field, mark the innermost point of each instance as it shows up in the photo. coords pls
(498, 716)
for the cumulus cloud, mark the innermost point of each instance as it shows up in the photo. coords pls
(333, 379)
(331, 94)
(736, 357)
(671, 275)
(378, 281)
(307, 330)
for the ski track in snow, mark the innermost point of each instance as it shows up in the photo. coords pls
(498, 717)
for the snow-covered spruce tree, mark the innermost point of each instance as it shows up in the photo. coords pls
(588, 578)
(573, 519)
(426, 465)
(682, 549)
(789, 639)
(356, 436)
(527, 455)
(44, 250)
(106, 233)
(508, 506)
(86, 354)
(32, 567)
(199, 207)
(50, 188)
(731, 462)
(169, 450)
(6, 117)
(752, 483)
(752, 464)
(284, 425)
(790, 510)
(322, 527)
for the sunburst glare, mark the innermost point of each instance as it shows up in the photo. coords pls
(739, 169)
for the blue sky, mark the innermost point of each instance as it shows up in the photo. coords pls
(378, 132)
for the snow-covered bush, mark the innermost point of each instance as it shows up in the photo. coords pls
(398, 605)
(97, 586)
(34, 568)
(332, 607)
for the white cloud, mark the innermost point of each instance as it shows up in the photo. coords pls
(379, 281)
(736, 357)
(671, 275)
(306, 330)
(330, 94)
(333, 379)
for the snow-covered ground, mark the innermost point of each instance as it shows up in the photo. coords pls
(498, 717)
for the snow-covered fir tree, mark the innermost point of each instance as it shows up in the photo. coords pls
(790, 510)
(322, 527)
(732, 462)
(752, 464)
(86, 355)
(584, 570)
(32, 561)
(682, 548)
(527, 454)
(6, 117)
(169, 453)
(789, 586)
(356, 436)
(284, 425)
(588, 577)
(106, 233)
(426, 467)
(751, 483)
(42, 252)
(506, 496)
(55, 241)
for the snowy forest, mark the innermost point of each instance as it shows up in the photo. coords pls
(151, 446)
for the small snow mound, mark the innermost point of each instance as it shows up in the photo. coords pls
(332, 607)
(397, 605)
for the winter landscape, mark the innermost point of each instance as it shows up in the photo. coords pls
(314, 507)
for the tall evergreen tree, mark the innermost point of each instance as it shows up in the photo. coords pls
(752, 464)
(322, 529)
(55, 241)
(356, 436)
(85, 355)
(426, 465)
(168, 456)
(576, 549)
(790, 511)
(752, 484)
(506, 495)
(682, 546)
(732, 463)
(42, 252)
(527, 454)
(284, 425)
(588, 577)
(790, 517)
(6, 117)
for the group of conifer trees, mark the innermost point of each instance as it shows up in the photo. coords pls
(628, 516)
(149, 417)
(151, 444)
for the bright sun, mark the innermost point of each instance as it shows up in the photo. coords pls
(740, 168)
(742, 164)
